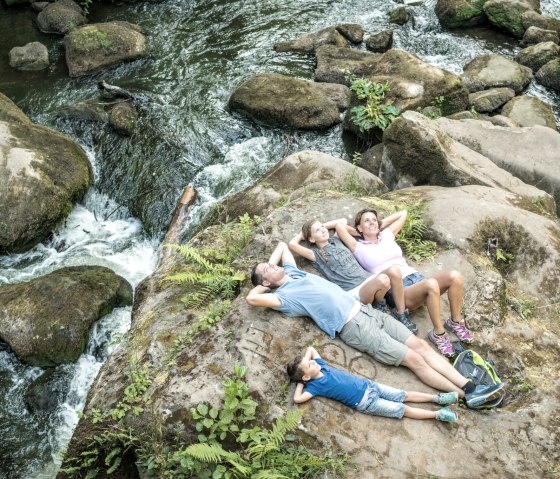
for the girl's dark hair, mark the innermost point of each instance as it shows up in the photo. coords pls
(294, 371)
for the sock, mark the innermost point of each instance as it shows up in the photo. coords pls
(440, 334)
(469, 387)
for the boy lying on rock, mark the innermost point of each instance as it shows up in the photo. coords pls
(317, 378)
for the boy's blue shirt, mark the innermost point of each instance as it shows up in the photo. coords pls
(310, 295)
(338, 385)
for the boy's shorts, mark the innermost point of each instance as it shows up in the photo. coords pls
(407, 281)
(377, 334)
(382, 400)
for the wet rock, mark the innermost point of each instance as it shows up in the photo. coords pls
(490, 100)
(309, 43)
(332, 62)
(39, 6)
(400, 16)
(549, 75)
(380, 42)
(279, 100)
(533, 19)
(47, 391)
(507, 14)
(46, 321)
(30, 57)
(43, 174)
(60, 17)
(123, 118)
(417, 151)
(538, 35)
(460, 13)
(530, 111)
(93, 47)
(536, 56)
(528, 153)
(86, 111)
(353, 32)
(497, 71)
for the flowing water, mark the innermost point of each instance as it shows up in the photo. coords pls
(199, 52)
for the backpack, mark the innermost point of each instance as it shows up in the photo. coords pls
(480, 371)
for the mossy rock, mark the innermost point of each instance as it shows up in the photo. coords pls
(460, 13)
(507, 14)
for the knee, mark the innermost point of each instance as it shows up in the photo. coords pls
(432, 286)
(384, 282)
(414, 360)
(456, 278)
(394, 273)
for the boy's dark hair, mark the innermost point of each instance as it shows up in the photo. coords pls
(294, 371)
(256, 278)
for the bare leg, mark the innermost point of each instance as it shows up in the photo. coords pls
(375, 289)
(437, 363)
(415, 396)
(426, 291)
(417, 413)
(452, 282)
(397, 288)
(427, 374)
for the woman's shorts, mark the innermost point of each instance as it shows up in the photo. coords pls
(382, 400)
(407, 281)
(355, 292)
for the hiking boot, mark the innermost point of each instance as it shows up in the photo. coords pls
(447, 415)
(381, 306)
(445, 399)
(483, 394)
(442, 342)
(460, 330)
(404, 319)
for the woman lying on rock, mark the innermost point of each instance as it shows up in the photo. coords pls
(373, 244)
(328, 255)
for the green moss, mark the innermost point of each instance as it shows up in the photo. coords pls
(90, 38)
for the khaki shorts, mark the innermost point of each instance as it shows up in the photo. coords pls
(377, 334)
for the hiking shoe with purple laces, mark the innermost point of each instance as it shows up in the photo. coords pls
(447, 415)
(444, 399)
(460, 330)
(442, 342)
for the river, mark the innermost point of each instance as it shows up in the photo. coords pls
(199, 52)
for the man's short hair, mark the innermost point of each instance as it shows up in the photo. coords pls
(294, 371)
(256, 278)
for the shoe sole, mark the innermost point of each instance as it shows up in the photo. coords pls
(448, 355)
(491, 397)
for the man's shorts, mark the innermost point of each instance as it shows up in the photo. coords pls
(377, 334)
(382, 400)
(407, 281)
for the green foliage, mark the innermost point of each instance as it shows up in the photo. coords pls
(504, 256)
(377, 112)
(411, 236)
(353, 185)
(85, 4)
(521, 385)
(439, 101)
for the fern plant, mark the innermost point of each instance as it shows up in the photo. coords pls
(411, 236)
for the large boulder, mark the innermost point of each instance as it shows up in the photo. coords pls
(412, 81)
(46, 321)
(497, 71)
(280, 100)
(61, 17)
(487, 101)
(309, 43)
(460, 13)
(533, 19)
(536, 56)
(527, 153)
(417, 151)
(549, 74)
(507, 14)
(42, 174)
(538, 35)
(93, 47)
(30, 57)
(529, 111)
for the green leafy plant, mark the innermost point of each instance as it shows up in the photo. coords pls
(353, 185)
(376, 112)
(504, 256)
(411, 236)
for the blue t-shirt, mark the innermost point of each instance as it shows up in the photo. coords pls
(338, 385)
(337, 263)
(310, 295)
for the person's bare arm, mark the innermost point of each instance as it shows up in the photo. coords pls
(395, 222)
(343, 232)
(261, 297)
(311, 353)
(281, 255)
(303, 251)
(300, 395)
(332, 224)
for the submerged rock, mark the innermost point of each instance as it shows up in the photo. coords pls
(46, 321)
(42, 174)
(30, 57)
(93, 47)
(400, 16)
(123, 117)
(309, 43)
(280, 100)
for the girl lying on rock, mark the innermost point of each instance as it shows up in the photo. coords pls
(316, 378)
(373, 244)
(334, 261)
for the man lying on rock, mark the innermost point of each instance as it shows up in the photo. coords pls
(296, 293)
